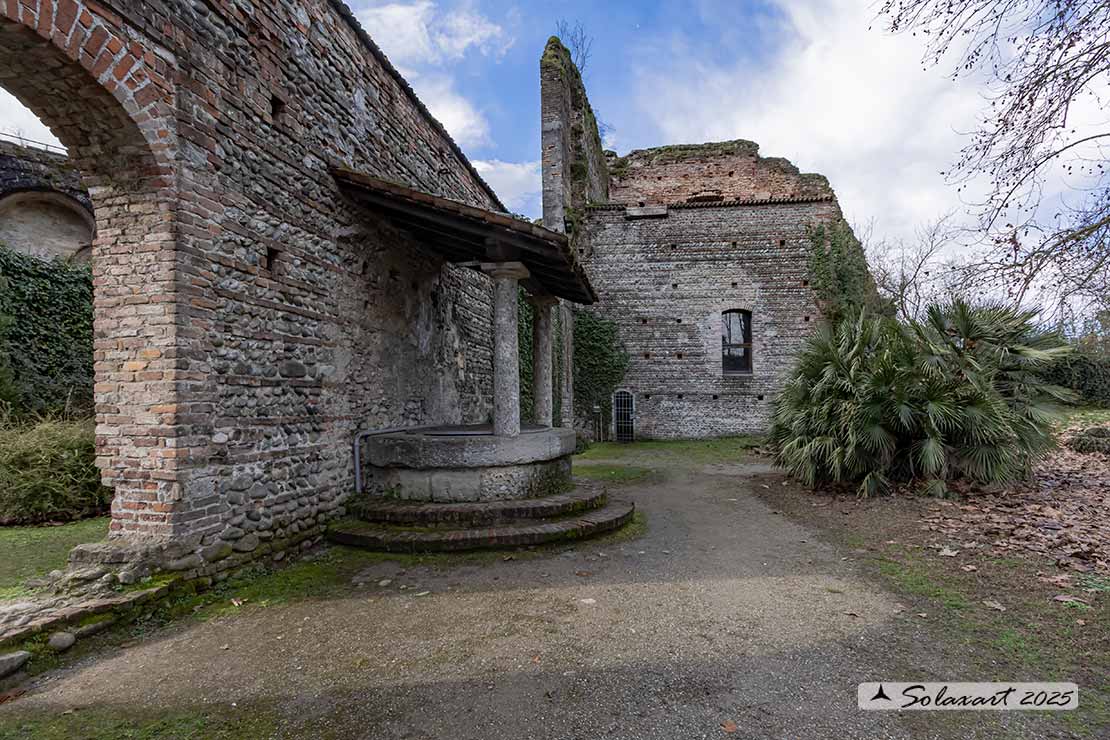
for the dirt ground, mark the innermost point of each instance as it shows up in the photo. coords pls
(726, 618)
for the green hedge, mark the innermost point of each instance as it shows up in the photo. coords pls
(1087, 375)
(46, 335)
(48, 473)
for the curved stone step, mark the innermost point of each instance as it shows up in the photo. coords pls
(466, 514)
(393, 539)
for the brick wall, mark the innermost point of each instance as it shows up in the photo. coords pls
(248, 318)
(727, 170)
(666, 280)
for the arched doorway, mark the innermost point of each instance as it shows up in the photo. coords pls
(106, 96)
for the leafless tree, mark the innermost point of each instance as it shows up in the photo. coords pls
(1046, 61)
(910, 276)
(580, 43)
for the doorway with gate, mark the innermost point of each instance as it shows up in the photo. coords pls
(624, 416)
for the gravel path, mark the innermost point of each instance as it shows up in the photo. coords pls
(723, 612)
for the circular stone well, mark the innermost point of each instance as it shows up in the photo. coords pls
(469, 463)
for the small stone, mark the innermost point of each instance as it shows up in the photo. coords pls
(219, 438)
(240, 483)
(248, 543)
(12, 662)
(128, 577)
(385, 582)
(61, 641)
(216, 551)
(186, 563)
(231, 533)
(293, 369)
(95, 628)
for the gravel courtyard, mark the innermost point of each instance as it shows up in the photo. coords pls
(723, 619)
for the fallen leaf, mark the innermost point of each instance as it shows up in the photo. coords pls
(948, 553)
(422, 593)
(994, 605)
(237, 602)
(1081, 622)
(923, 615)
(1067, 599)
(729, 726)
(970, 568)
(583, 573)
(851, 614)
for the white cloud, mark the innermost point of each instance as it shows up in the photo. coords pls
(466, 124)
(837, 98)
(422, 33)
(17, 120)
(517, 183)
(423, 39)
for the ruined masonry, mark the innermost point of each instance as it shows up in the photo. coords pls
(302, 286)
(701, 256)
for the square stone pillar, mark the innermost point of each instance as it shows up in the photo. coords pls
(506, 346)
(566, 408)
(543, 340)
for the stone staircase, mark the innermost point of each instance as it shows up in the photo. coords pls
(411, 527)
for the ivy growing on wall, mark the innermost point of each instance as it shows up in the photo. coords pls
(46, 341)
(600, 361)
(839, 270)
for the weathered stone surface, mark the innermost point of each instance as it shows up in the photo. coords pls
(216, 551)
(249, 543)
(12, 662)
(189, 562)
(61, 641)
(415, 450)
(94, 628)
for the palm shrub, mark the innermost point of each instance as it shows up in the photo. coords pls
(956, 396)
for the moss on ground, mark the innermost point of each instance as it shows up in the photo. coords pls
(30, 552)
(1086, 416)
(722, 449)
(105, 723)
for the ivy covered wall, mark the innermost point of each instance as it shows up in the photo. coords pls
(600, 362)
(841, 276)
(46, 335)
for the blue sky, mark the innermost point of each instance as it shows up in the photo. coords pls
(807, 79)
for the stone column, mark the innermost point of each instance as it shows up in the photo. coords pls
(506, 346)
(566, 409)
(542, 352)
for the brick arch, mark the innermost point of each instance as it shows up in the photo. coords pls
(96, 81)
(106, 97)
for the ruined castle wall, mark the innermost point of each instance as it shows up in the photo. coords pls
(665, 280)
(730, 170)
(248, 318)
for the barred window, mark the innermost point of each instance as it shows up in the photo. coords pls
(736, 341)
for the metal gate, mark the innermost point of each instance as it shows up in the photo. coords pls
(624, 416)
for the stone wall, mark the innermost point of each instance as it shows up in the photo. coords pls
(665, 280)
(248, 318)
(44, 210)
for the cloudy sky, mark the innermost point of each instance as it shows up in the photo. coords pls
(807, 79)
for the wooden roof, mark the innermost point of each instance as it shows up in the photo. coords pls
(466, 234)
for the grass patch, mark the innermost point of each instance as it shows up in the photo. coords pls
(35, 551)
(615, 474)
(99, 723)
(722, 449)
(1086, 416)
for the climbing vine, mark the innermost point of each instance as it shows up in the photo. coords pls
(839, 269)
(46, 335)
(600, 362)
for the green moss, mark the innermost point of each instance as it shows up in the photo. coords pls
(114, 723)
(30, 552)
(701, 451)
